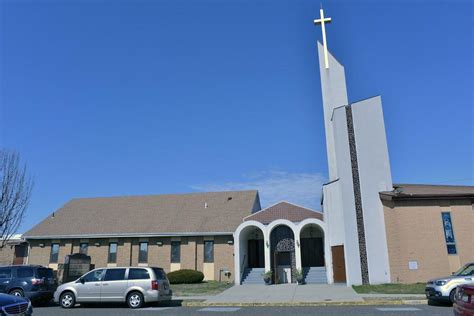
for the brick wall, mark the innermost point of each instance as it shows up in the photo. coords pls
(40, 255)
(223, 257)
(415, 233)
(7, 255)
(192, 252)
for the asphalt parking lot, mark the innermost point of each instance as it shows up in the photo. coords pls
(399, 310)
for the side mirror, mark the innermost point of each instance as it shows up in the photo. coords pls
(81, 279)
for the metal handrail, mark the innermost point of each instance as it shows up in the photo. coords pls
(242, 268)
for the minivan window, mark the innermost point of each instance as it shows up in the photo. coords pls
(138, 274)
(5, 273)
(159, 273)
(93, 276)
(114, 275)
(25, 272)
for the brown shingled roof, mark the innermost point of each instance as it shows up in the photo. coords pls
(427, 191)
(219, 212)
(284, 210)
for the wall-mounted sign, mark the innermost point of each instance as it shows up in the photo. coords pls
(413, 265)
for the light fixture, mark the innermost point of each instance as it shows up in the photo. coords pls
(97, 244)
(41, 245)
(230, 242)
(159, 243)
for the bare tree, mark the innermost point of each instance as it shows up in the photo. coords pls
(15, 188)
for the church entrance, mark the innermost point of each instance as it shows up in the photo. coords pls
(312, 252)
(256, 253)
(283, 255)
(282, 267)
(312, 246)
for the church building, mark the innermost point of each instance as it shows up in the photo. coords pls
(368, 230)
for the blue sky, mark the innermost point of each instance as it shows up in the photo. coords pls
(106, 98)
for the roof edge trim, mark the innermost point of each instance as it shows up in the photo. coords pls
(129, 235)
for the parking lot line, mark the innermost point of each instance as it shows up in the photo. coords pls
(154, 309)
(398, 309)
(219, 309)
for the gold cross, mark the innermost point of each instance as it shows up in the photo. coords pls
(322, 21)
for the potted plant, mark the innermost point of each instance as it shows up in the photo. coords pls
(267, 277)
(299, 276)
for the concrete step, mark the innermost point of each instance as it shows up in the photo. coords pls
(315, 275)
(253, 276)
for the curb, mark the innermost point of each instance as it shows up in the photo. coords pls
(348, 303)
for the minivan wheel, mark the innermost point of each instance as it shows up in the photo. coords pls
(17, 292)
(135, 300)
(67, 300)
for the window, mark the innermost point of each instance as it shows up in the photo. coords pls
(159, 273)
(452, 249)
(138, 274)
(112, 253)
(5, 273)
(449, 233)
(208, 251)
(175, 252)
(24, 272)
(114, 275)
(93, 276)
(44, 273)
(83, 248)
(467, 270)
(143, 254)
(53, 258)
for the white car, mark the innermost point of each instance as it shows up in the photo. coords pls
(444, 289)
(133, 285)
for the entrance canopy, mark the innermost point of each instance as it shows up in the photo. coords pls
(285, 239)
(284, 210)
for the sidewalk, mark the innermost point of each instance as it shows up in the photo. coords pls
(294, 295)
(286, 293)
(393, 296)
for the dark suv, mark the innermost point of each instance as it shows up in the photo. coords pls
(34, 282)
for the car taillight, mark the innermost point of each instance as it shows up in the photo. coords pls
(154, 285)
(37, 281)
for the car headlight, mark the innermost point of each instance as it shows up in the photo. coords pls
(441, 282)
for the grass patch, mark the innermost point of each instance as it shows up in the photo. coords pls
(391, 288)
(204, 288)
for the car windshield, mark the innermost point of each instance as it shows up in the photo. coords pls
(468, 269)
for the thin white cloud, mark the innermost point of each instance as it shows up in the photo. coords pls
(274, 186)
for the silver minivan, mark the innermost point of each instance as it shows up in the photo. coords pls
(134, 285)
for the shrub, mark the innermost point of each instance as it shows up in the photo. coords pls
(185, 276)
(267, 275)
